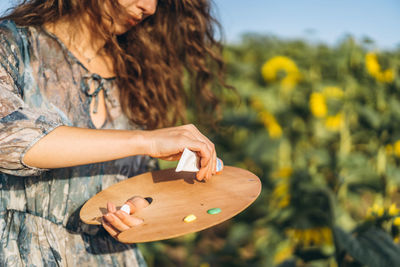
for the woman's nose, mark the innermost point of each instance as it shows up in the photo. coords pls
(148, 7)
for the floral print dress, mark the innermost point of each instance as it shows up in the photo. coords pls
(43, 86)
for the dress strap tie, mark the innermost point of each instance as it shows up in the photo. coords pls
(98, 82)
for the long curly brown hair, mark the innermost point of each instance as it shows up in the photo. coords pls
(152, 59)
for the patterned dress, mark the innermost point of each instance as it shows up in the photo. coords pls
(43, 86)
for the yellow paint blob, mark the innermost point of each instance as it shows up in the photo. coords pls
(190, 218)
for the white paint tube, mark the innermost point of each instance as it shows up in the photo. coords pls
(189, 162)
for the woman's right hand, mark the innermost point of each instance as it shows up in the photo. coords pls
(169, 143)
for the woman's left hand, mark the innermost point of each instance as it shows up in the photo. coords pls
(116, 221)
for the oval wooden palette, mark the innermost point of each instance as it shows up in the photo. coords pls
(176, 195)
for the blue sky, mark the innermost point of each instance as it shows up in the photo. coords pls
(316, 20)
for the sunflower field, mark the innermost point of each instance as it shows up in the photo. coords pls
(318, 125)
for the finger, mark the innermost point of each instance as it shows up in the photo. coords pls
(213, 163)
(206, 163)
(116, 222)
(201, 137)
(138, 202)
(201, 174)
(209, 165)
(207, 155)
(128, 219)
(208, 171)
(110, 229)
(202, 151)
(111, 207)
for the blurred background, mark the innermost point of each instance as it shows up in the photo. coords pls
(317, 119)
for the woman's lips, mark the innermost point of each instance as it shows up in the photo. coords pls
(134, 21)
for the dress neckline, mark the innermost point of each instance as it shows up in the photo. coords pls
(72, 56)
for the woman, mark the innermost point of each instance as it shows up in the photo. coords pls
(87, 88)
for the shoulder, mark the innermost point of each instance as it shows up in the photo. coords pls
(8, 25)
(13, 47)
(9, 29)
(12, 37)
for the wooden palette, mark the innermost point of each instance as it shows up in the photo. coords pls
(176, 195)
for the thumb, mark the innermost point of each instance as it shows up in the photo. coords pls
(174, 157)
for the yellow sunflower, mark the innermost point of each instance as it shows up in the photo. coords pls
(374, 69)
(318, 105)
(272, 67)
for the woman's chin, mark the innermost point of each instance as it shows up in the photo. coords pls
(121, 29)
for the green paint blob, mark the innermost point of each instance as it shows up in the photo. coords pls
(214, 211)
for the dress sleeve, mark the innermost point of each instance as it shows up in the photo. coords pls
(20, 126)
